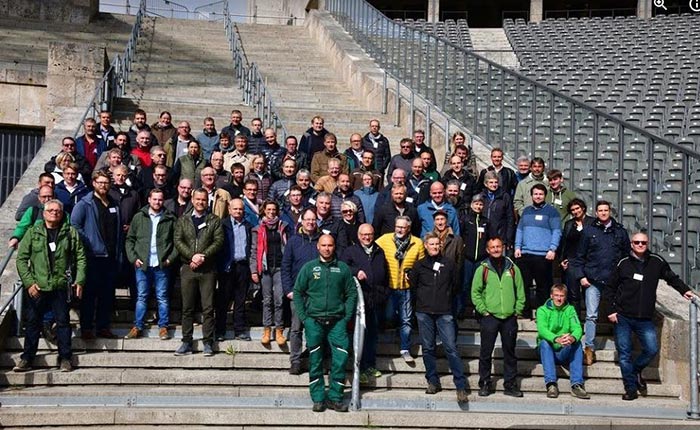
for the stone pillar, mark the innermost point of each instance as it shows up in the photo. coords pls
(433, 10)
(65, 11)
(536, 10)
(72, 75)
(644, 8)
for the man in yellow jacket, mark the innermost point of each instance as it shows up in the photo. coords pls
(402, 251)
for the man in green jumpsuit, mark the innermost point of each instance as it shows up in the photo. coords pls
(324, 299)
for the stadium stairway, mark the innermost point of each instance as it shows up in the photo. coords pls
(140, 384)
(493, 44)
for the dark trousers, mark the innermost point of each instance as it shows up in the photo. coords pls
(508, 329)
(195, 284)
(540, 269)
(57, 302)
(97, 303)
(232, 288)
(369, 348)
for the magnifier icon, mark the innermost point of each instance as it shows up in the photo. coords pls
(660, 3)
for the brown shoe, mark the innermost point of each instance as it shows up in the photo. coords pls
(588, 356)
(279, 336)
(134, 333)
(87, 335)
(163, 333)
(265, 339)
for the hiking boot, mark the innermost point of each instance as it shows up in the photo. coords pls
(433, 389)
(462, 396)
(407, 357)
(279, 336)
(553, 391)
(295, 369)
(337, 406)
(484, 390)
(513, 392)
(630, 395)
(106, 334)
(22, 366)
(163, 333)
(265, 339)
(319, 407)
(641, 385)
(374, 372)
(134, 333)
(185, 348)
(207, 350)
(588, 356)
(65, 366)
(579, 392)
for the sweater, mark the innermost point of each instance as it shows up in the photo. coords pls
(539, 230)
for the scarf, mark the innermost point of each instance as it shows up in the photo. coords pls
(368, 249)
(401, 246)
(261, 253)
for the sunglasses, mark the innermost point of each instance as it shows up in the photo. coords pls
(639, 242)
(347, 211)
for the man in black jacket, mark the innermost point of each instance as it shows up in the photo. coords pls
(368, 264)
(434, 282)
(632, 295)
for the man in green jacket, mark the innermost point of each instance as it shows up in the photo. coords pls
(50, 262)
(150, 247)
(559, 342)
(498, 296)
(198, 238)
(324, 299)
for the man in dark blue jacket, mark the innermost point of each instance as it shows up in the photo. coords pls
(368, 264)
(98, 220)
(602, 245)
(300, 249)
(234, 274)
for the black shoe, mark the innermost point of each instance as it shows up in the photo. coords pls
(641, 385)
(319, 407)
(513, 392)
(295, 369)
(337, 406)
(220, 337)
(433, 389)
(484, 390)
(630, 395)
(243, 337)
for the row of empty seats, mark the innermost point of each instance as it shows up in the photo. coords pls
(455, 31)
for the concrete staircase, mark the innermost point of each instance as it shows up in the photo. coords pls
(485, 39)
(184, 67)
(304, 83)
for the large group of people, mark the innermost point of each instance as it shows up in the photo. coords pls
(220, 214)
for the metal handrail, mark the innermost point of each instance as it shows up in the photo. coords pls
(358, 342)
(114, 80)
(694, 408)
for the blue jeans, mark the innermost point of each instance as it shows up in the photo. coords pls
(592, 305)
(159, 278)
(430, 325)
(646, 333)
(400, 302)
(569, 355)
(56, 301)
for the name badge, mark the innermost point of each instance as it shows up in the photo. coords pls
(436, 266)
(312, 201)
(286, 193)
(579, 227)
(132, 167)
(128, 182)
(112, 210)
(202, 225)
(375, 144)
(52, 246)
(409, 199)
(325, 231)
(463, 187)
(539, 217)
(110, 138)
(557, 202)
(480, 229)
(638, 277)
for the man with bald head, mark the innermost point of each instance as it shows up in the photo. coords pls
(177, 145)
(324, 299)
(437, 202)
(354, 152)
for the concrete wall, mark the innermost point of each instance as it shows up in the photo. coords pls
(67, 11)
(277, 12)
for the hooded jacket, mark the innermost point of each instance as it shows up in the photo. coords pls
(501, 295)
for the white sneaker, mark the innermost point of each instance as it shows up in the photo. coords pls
(407, 357)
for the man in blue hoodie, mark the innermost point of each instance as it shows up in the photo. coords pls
(536, 240)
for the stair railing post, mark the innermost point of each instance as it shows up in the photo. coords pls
(358, 341)
(17, 304)
(694, 409)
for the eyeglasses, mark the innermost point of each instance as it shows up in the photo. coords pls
(639, 242)
(405, 146)
(102, 182)
(53, 211)
(356, 141)
(347, 211)
(159, 155)
(69, 145)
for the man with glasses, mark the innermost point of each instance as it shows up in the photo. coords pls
(49, 251)
(291, 210)
(30, 199)
(182, 203)
(379, 145)
(68, 145)
(251, 202)
(403, 159)
(97, 217)
(31, 215)
(631, 292)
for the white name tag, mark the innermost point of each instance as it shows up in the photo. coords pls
(128, 182)
(286, 193)
(202, 225)
(579, 227)
(110, 138)
(132, 167)
(638, 277)
(436, 267)
(480, 229)
(375, 144)
(312, 201)
(557, 202)
(52, 246)
(325, 231)
(112, 210)
(539, 217)
(463, 187)
(409, 199)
